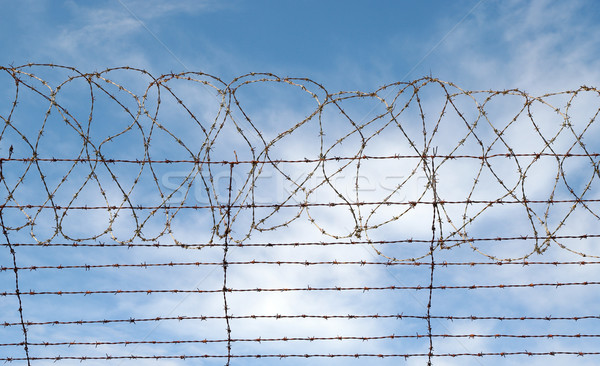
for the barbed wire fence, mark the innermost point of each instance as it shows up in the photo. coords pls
(239, 221)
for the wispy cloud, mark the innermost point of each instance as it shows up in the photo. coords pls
(540, 46)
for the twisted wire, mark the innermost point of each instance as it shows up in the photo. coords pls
(101, 146)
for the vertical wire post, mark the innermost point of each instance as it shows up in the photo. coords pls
(16, 270)
(431, 250)
(225, 264)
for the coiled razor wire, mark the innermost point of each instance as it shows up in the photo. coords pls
(536, 156)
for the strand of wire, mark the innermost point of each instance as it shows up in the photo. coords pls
(308, 288)
(304, 339)
(306, 316)
(306, 355)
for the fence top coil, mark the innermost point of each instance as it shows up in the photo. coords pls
(426, 175)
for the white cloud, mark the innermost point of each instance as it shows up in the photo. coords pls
(540, 46)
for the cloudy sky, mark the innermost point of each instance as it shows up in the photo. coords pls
(538, 47)
(480, 44)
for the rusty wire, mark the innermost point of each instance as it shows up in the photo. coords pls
(343, 150)
(303, 289)
(280, 263)
(284, 356)
(302, 316)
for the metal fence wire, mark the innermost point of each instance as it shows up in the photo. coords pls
(183, 219)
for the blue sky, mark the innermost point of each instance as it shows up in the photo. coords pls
(349, 45)
(539, 47)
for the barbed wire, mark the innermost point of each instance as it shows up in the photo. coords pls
(319, 243)
(281, 262)
(310, 339)
(306, 355)
(105, 143)
(230, 104)
(304, 316)
(302, 289)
